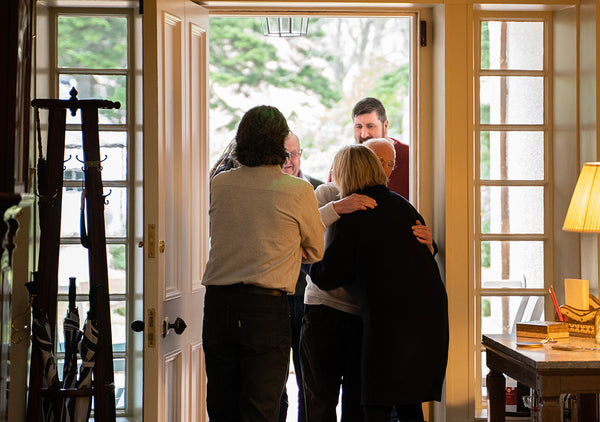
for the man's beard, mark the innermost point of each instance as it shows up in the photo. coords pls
(362, 140)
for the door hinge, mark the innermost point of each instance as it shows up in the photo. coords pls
(151, 327)
(151, 240)
(423, 33)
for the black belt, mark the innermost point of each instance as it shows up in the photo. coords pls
(250, 289)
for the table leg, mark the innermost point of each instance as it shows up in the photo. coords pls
(496, 386)
(549, 410)
(587, 407)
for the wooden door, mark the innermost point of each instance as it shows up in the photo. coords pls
(175, 207)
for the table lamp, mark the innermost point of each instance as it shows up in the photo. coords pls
(583, 215)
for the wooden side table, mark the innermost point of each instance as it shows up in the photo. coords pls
(550, 371)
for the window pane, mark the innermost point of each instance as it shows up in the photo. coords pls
(508, 155)
(118, 320)
(73, 262)
(512, 209)
(113, 152)
(97, 87)
(506, 264)
(120, 378)
(512, 100)
(96, 42)
(500, 314)
(512, 45)
(115, 212)
(71, 212)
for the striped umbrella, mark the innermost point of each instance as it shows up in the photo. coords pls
(88, 347)
(42, 341)
(73, 336)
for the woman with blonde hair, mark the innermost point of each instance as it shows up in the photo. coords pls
(396, 281)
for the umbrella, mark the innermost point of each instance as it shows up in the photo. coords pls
(42, 168)
(87, 348)
(42, 340)
(72, 337)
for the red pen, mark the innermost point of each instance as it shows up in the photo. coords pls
(555, 303)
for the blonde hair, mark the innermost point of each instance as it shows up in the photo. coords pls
(356, 167)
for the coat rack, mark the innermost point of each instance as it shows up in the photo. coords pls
(50, 186)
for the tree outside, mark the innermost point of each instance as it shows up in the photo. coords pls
(314, 80)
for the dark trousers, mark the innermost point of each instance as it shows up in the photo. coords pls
(296, 314)
(330, 355)
(246, 339)
(406, 412)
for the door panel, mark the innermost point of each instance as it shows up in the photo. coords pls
(176, 196)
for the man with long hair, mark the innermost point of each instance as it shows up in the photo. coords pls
(263, 224)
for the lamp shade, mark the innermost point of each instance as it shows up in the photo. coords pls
(583, 214)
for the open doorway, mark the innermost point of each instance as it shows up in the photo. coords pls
(315, 80)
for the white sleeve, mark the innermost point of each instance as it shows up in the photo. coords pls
(326, 194)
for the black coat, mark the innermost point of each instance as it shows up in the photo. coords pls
(402, 299)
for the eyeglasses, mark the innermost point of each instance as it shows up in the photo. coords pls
(295, 154)
(387, 163)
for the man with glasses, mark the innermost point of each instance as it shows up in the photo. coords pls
(292, 167)
(386, 153)
(344, 206)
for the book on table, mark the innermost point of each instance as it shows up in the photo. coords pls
(543, 329)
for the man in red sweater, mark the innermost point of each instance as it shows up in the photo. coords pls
(370, 121)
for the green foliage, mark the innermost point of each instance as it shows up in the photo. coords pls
(486, 308)
(484, 170)
(390, 89)
(122, 311)
(118, 255)
(92, 42)
(242, 58)
(485, 45)
(486, 251)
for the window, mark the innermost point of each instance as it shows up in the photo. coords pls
(93, 55)
(512, 180)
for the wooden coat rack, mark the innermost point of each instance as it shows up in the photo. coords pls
(50, 203)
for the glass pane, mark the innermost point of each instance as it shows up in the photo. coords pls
(512, 100)
(117, 320)
(506, 264)
(512, 209)
(511, 155)
(71, 211)
(512, 45)
(115, 212)
(97, 87)
(119, 368)
(73, 262)
(96, 42)
(113, 152)
(500, 314)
